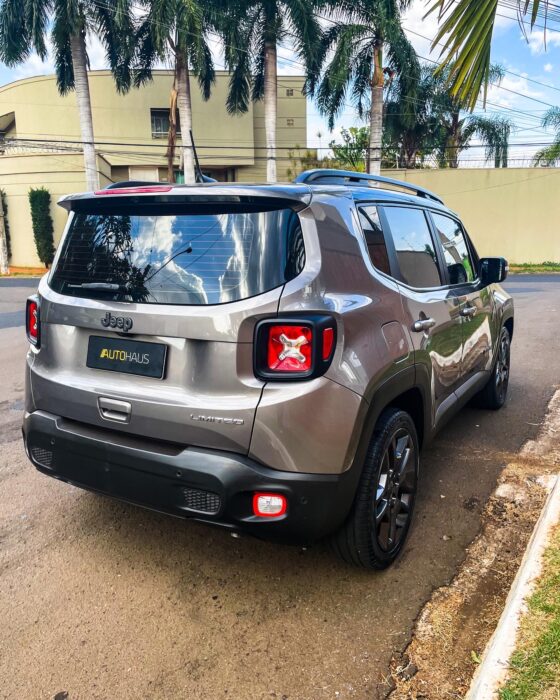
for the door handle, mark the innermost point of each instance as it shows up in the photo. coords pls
(112, 409)
(423, 324)
(468, 311)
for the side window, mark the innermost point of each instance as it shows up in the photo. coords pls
(414, 247)
(375, 240)
(455, 249)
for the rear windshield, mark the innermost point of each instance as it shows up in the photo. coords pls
(164, 258)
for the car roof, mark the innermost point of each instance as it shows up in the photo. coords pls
(360, 187)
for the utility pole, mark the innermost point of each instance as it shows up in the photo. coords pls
(4, 268)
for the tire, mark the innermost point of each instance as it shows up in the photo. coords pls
(494, 394)
(376, 529)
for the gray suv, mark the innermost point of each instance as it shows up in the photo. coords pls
(269, 359)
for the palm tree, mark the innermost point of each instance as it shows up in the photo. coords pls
(454, 129)
(356, 44)
(494, 132)
(466, 28)
(550, 155)
(252, 30)
(433, 124)
(179, 31)
(411, 128)
(25, 27)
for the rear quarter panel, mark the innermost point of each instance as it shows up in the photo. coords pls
(322, 423)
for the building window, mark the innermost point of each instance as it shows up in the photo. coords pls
(289, 92)
(160, 123)
(289, 122)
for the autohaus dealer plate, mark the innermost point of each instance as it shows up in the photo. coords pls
(129, 356)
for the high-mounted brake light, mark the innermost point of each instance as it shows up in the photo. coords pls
(136, 190)
(269, 505)
(33, 321)
(294, 348)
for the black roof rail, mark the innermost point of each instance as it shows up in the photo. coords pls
(350, 177)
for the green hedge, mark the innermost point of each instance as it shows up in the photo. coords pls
(40, 201)
(6, 224)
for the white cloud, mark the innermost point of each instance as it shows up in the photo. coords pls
(511, 90)
(548, 67)
(421, 30)
(540, 41)
(96, 53)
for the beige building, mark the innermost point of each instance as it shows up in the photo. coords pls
(40, 135)
(513, 212)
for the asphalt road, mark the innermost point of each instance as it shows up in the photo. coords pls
(100, 599)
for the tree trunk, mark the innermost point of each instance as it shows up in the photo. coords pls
(79, 65)
(184, 105)
(453, 142)
(376, 113)
(270, 104)
(172, 132)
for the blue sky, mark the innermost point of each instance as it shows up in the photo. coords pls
(519, 98)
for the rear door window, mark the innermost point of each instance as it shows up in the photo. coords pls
(414, 247)
(375, 240)
(160, 257)
(455, 249)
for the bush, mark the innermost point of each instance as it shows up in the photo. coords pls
(40, 201)
(6, 224)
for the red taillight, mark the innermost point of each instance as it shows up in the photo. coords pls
(147, 189)
(294, 349)
(33, 322)
(290, 348)
(269, 505)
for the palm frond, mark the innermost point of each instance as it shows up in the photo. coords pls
(550, 155)
(115, 28)
(15, 40)
(466, 27)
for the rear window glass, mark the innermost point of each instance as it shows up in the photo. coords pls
(179, 258)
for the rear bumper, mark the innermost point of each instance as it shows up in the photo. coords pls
(206, 485)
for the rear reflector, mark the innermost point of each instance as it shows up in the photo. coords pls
(136, 190)
(328, 342)
(290, 348)
(32, 320)
(269, 505)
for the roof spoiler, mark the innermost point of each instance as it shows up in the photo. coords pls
(350, 177)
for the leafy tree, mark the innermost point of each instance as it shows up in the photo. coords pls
(40, 202)
(26, 26)
(252, 30)
(352, 152)
(550, 155)
(466, 29)
(179, 31)
(354, 50)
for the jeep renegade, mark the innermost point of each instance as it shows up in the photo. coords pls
(267, 358)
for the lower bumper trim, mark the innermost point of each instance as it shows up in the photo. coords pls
(208, 485)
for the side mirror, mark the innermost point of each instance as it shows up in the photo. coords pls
(493, 270)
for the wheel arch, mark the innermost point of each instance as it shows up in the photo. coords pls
(407, 390)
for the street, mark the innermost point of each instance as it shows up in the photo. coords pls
(101, 599)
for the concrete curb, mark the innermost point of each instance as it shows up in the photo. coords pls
(492, 671)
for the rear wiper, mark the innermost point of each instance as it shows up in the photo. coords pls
(101, 286)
